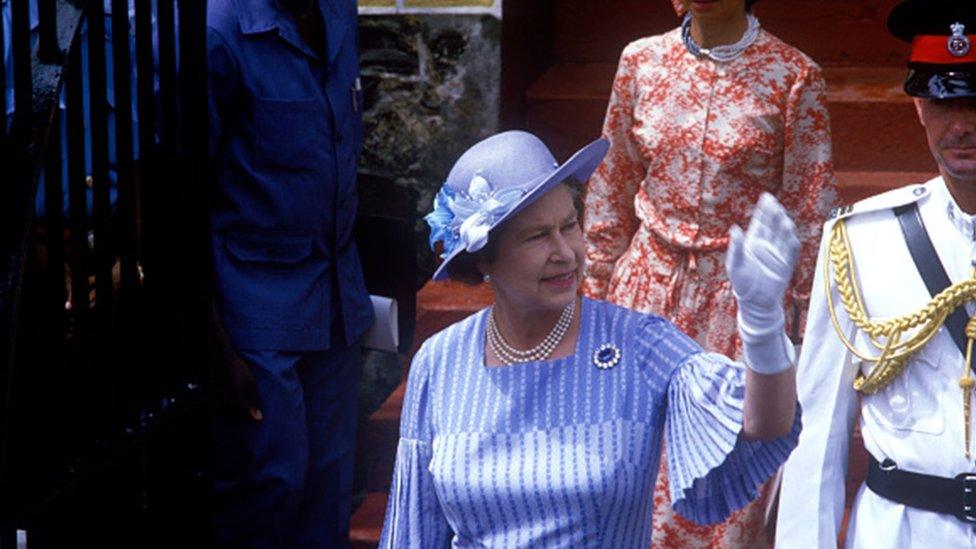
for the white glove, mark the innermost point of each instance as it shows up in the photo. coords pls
(759, 265)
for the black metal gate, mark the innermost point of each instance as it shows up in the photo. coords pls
(102, 235)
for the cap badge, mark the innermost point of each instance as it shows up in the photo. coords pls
(958, 43)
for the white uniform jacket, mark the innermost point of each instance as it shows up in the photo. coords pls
(917, 420)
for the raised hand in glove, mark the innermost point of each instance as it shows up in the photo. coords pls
(759, 264)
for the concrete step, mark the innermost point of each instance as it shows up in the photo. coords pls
(833, 32)
(366, 523)
(874, 126)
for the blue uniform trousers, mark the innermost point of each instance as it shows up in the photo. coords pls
(286, 481)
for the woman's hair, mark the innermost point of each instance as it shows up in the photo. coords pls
(464, 267)
(749, 4)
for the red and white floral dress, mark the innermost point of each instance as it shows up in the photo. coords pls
(693, 143)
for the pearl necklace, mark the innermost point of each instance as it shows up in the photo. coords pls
(725, 52)
(510, 355)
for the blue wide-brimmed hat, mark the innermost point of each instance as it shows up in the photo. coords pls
(494, 180)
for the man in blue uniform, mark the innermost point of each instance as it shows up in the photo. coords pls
(290, 301)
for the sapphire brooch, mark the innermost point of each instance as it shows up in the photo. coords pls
(607, 356)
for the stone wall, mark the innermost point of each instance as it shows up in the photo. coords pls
(431, 81)
(432, 86)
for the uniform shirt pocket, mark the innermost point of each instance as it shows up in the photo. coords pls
(269, 281)
(252, 248)
(911, 403)
(289, 134)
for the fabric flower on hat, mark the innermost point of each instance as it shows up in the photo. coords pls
(440, 220)
(464, 218)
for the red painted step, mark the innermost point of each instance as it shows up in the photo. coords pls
(874, 125)
(440, 304)
(382, 437)
(366, 524)
(855, 185)
(834, 32)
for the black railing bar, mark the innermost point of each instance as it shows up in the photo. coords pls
(103, 353)
(12, 212)
(166, 260)
(168, 83)
(23, 80)
(48, 49)
(193, 72)
(3, 86)
(146, 113)
(145, 102)
(127, 322)
(55, 292)
(52, 302)
(194, 141)
(78, 260)
(122, 62)
(149, 166)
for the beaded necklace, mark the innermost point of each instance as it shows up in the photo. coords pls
(510, 355)
(726, 52)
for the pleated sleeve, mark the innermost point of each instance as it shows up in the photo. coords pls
(414, 517)
(712, 470)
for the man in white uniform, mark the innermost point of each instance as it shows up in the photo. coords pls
(884, 342)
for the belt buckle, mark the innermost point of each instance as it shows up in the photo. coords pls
(968, 496)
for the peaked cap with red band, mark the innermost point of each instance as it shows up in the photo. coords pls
(943, 37)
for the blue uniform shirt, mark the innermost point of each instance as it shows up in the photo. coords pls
(285, 138)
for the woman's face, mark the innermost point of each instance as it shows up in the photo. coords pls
(714, 9)
(538, 260)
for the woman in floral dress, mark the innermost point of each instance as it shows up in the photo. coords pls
(701, 121)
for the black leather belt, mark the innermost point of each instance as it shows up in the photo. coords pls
(949, 496)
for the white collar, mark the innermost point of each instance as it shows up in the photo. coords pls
(963, 222)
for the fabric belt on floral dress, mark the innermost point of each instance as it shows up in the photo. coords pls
(950, 496)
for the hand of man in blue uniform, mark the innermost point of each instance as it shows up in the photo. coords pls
(235, 382)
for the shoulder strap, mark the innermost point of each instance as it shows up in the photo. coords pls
(930, 267)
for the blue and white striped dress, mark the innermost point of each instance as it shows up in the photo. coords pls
(562, 453)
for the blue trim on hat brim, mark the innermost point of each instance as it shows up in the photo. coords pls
(581, 166)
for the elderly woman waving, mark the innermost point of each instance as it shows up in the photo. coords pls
(538, 421)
